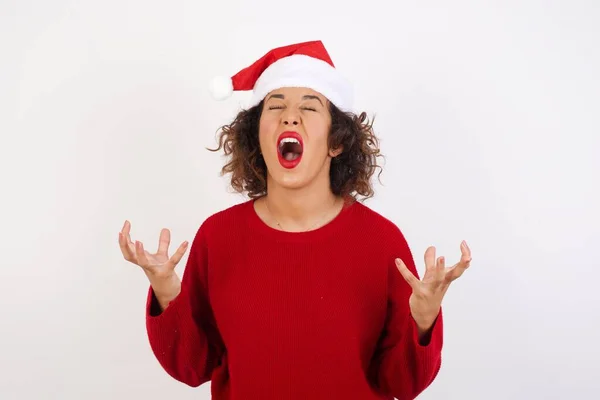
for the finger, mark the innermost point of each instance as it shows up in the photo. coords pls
(163, 242)
(178, 254)
(140, 253)
(465, 258)
(408, 276)
(455, 272)
(128, 237)
(126, 229)
(440, 268)
(430, 258)
(125, 249)
(465, 252)
(459, 268)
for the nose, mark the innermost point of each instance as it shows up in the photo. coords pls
(290, 118)
(290, 121)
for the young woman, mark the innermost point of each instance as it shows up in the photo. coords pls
(301, 292)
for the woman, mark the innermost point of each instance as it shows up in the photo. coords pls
(302, 292)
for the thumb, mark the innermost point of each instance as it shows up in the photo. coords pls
(176, 257)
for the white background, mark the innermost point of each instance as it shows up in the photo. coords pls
(488, 114)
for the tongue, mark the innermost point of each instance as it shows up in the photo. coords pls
(290, 156)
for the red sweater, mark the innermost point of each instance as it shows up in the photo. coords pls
(266, 314)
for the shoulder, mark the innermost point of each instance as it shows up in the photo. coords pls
(224, 221)
(234, 213)
(380, 230)
(375, 220)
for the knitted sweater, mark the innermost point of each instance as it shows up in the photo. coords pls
(267, 314)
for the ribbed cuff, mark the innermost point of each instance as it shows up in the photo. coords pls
(428, 353)
(162, 325)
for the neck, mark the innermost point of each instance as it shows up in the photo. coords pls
(302, 209)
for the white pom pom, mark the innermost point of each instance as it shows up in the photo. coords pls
(221, 87)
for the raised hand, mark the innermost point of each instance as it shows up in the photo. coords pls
(158, 267)
(426, 298)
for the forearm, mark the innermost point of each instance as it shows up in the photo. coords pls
(425, 328)
(176, 337)
(410, 365)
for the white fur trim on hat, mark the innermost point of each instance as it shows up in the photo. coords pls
(304, 71)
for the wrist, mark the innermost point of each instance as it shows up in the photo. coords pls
(425, 321)
(165, 288)
(424, 325)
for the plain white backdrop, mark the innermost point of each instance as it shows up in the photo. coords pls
(488, 115)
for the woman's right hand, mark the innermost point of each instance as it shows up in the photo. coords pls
(158, 267)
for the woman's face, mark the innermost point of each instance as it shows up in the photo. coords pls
(293, 135)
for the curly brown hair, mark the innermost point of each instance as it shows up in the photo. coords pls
(350, 172)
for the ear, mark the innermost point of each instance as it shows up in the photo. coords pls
(336, 152)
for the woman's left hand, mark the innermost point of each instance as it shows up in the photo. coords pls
(426, 299)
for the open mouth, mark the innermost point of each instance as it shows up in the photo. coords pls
(290, 149)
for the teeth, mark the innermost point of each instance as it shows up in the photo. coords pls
(288, 140)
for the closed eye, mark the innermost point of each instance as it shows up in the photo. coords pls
(281, 107)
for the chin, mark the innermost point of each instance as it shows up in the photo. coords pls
(289, 181)
(292, 178)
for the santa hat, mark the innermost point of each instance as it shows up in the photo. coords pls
(304, 64)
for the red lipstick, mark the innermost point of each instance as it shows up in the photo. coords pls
(289, 163)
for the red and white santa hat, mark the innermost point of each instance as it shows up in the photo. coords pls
(304, 64)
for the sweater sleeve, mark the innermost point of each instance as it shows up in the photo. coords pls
(403, 366)
(183, 336)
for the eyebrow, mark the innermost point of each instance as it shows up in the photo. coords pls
(305, 97)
